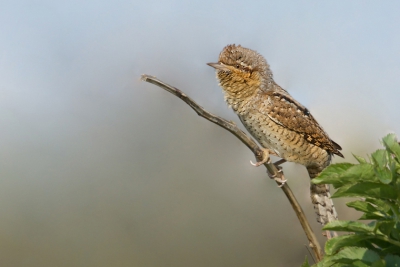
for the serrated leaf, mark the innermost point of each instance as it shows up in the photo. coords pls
(360, 159)
(329, 174)
(336, 243)
(384, 175)
(366, 207)
(362, 172)
(379, 157)
(353, 174)
(367, 189)
(361, 206)
(327, 261)
(350, 254)
(391, 144)
(348, 226)
(379, 204)
(335, 181)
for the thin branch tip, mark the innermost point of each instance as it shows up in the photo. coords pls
(145, 77)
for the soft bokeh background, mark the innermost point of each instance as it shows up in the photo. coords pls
(100, 169)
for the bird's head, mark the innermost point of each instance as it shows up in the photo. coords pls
(240, 68)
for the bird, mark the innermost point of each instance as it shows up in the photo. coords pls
(279, 123)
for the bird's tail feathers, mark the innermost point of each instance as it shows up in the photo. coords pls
(321, 198)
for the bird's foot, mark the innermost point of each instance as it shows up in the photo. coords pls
(281, 182)
(277, 179)
(265, 157)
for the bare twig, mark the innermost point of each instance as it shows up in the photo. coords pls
(274, 172)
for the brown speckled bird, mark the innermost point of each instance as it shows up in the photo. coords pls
(278, 122)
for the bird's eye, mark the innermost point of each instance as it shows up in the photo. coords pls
(237, 66)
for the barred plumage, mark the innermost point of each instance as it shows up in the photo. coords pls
(277, 121)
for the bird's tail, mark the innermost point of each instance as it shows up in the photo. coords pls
(321, 198)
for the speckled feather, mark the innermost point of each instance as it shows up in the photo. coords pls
(286, 111)
(275, 119)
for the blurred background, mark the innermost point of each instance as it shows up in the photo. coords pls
(100, 169)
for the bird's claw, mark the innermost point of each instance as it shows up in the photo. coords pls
(281, 182)
(258, 163)
(264, 160)
(266, 153)
(270, 175)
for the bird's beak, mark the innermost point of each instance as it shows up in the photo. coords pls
(218, 66)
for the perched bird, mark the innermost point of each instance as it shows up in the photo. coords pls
(276, 120)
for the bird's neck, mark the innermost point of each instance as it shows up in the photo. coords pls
(237, 96)
(240, 90)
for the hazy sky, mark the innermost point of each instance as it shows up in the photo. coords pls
(100, 169)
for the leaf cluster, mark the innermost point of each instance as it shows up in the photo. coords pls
(376, 183)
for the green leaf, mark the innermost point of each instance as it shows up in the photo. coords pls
(396, 232)
(379, 158)
(351, 254)
(353, 174)
(361, 160)
(378, 263)
(362, 172)
(364, 207)
(372, 212)
(367, 189)
(349, 226)
(305, 263)
(384, 175)
(386, 227)
(391, 144)
(336, 243)
(378, 184)
(368, 216)
(392, 261)
(332, 172)
(379, 204)
(393, 168)
(358, 264)
(379, 241)
(391, 250)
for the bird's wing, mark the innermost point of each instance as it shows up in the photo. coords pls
(287, 112)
